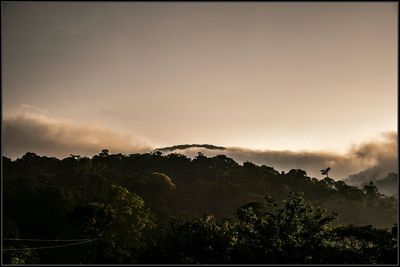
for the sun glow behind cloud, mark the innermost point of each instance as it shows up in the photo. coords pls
(33, 129)
(263, 76)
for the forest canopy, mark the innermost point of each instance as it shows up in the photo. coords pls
(155, 208)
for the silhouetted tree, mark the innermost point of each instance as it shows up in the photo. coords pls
(104, 153)
(325, 171)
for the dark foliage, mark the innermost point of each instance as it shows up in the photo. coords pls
(151, 208)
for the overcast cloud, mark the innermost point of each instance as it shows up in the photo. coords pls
(33, 130)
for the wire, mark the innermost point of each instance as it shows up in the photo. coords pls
(65, 245)
(44, 240)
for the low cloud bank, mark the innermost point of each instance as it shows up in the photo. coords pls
(382, 156)
(33, 130)
(371, 160)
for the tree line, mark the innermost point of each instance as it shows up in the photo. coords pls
(155, 208)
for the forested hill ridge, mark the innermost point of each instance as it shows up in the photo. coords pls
(387, 183)
(186, 146)
(146, 208)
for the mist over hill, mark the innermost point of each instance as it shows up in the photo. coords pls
(182, 147)
(37, 131)
(389, 185)
(375, 160)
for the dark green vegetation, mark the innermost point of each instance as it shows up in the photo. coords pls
(150, 208)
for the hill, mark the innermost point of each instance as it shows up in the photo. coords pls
(149, 205)
(180, 147)
(388, 185)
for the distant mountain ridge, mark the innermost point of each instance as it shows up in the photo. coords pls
(386, 185)
(186, 146)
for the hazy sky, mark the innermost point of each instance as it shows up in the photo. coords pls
(283, 76)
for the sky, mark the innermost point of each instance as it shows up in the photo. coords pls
(319, 77)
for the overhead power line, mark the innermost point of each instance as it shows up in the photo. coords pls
(57, 246)
(44, 240)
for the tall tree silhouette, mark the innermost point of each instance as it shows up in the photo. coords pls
(325, 171)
